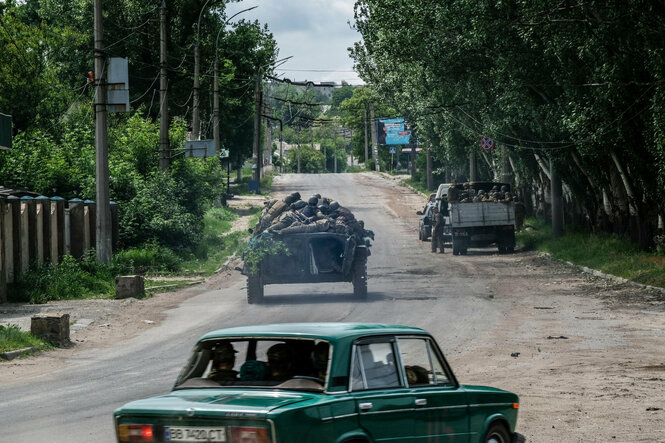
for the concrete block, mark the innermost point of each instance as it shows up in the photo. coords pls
(53, 328)
(129, 286)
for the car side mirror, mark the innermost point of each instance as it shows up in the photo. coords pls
(419, 212)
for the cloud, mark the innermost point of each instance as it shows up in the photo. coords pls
(315, 32)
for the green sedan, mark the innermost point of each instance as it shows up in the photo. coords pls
(322, 383)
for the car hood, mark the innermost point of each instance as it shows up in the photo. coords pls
(216, 402)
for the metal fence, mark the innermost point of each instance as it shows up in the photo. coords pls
(42, 229)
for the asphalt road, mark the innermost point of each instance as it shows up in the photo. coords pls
(453, 298)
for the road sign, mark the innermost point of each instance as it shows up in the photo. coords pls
(200, 148)
(486, 143)
(392, 149)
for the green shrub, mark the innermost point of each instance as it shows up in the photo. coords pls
(260, 247)
(150, 257)
(68, 280)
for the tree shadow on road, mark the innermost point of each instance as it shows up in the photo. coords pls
(335, 297)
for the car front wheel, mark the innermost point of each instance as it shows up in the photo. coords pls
(497, 433)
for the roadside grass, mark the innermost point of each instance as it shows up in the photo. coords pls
(12, 338)
(417, 185)
(607, 253)
(265, 184)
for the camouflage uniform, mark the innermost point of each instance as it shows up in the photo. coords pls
(453, 194)
(437, 231)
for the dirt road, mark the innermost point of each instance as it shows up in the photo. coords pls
(585, 355)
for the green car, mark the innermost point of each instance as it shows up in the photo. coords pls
(322, 383)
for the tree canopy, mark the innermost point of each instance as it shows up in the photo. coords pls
(579, 84)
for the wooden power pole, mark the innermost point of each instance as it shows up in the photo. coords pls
(164, 154)
(256, 152)
(103, 219)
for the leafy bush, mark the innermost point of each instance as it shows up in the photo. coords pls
(150, 257)
(260, 247)
(70, 279)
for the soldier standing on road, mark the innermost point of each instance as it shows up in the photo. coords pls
(437, 230)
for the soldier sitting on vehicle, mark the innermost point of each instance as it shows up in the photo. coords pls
(480, 197)
(222, 364)
(471, 194)
(311, 210)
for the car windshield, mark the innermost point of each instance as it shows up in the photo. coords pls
(260, 363)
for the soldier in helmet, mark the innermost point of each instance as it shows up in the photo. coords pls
(280, 362)
(224, 358)
(437, 230)
(311, 209)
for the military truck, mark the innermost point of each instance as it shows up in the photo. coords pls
(318, 257)
(326, 250)
(481, 224)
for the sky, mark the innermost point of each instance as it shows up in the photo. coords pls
(315, 32)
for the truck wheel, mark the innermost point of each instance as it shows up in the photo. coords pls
(254, 289)
(359, 278)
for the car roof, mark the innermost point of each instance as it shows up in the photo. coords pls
(325, 331)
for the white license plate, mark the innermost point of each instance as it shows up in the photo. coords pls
(178, 433)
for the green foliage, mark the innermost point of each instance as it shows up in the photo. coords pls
(149, 258)
(12, 338)
(577, 86)
(311, 160)
(70, 279)
(261, 247)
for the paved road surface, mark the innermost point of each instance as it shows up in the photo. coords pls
(466, 302)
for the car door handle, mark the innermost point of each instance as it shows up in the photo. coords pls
(421, 401)
(365, 406)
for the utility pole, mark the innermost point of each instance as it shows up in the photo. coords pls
(215, 107)
(366, 140)
(103, 219)
(375, 140)
(472, 166)
(335, 153)
(256, 151)
(298, 149)
(164, 155)
(196, 122)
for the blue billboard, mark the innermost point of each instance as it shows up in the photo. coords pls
(392, 131)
